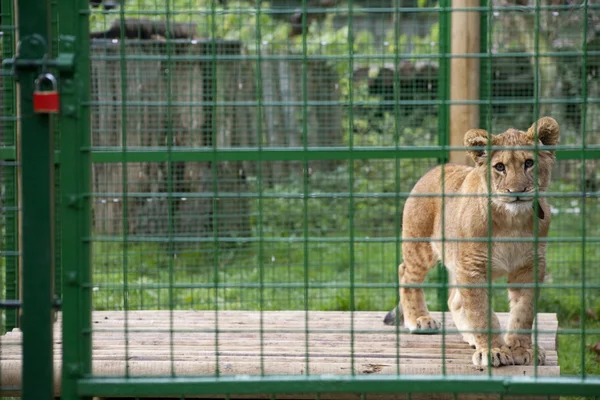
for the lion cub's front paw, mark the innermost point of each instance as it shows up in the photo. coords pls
(522, 350)
(524, 356)
(499, 356)
(425, 324)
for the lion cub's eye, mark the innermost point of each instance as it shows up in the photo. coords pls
(528, 164)
(500, 167)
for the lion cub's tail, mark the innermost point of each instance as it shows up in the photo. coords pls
(396, 316)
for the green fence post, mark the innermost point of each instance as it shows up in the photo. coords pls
(37, 172)
(75, 178)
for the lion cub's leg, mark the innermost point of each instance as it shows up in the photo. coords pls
(414, 306)
(459, 317)
(473, 316)
(521, 316)
(418, 260)
(412, 310)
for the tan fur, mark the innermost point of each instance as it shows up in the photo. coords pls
(467, 261)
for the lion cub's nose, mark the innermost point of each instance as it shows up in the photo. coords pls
(517, 190)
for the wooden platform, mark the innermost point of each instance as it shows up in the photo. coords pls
(192, 345)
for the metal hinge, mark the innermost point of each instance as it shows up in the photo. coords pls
(75, 201)
(11, 304)
(32, 54)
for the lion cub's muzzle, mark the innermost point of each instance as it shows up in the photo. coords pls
(518, 195)
(517, 198)
(522, 199)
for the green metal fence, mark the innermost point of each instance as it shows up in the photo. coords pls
(255, 156)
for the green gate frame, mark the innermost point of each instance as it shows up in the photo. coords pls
(76, 155)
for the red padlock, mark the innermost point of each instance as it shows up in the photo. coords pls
(48, 101)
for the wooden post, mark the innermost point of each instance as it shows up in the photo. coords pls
(464, 75)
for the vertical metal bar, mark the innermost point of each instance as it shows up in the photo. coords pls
(10, 171)
(75, 209)
(537, 84)
(260, 182)
(445, 36)
(305, 180)
(170, 202)
(485, 90)
(397, 187)
(37, 156)
(55, 126)
(124, 182)
(485, 64)
(212, 79)
(11, 259)
(488, 178)
(351, 174)
(444, 127)
(584, 95)
(485, 79)
(444, 78)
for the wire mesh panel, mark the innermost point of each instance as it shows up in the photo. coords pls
(252, 162)
(252, 165)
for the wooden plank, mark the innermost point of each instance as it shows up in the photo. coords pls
(288, 314)
(190, 353)
(11, 374)
(243, 349)
(12, 378)
(270, 349)
(201, 338)
(290, 340)
(282, 320)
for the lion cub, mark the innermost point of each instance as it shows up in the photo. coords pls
(513, 211)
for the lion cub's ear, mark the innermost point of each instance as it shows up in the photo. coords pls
(478, 138)
(547, 131)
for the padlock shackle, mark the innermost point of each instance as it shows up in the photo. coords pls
(47, 101)
(46, 76)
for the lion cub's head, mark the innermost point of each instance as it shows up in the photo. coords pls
(513, 171)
